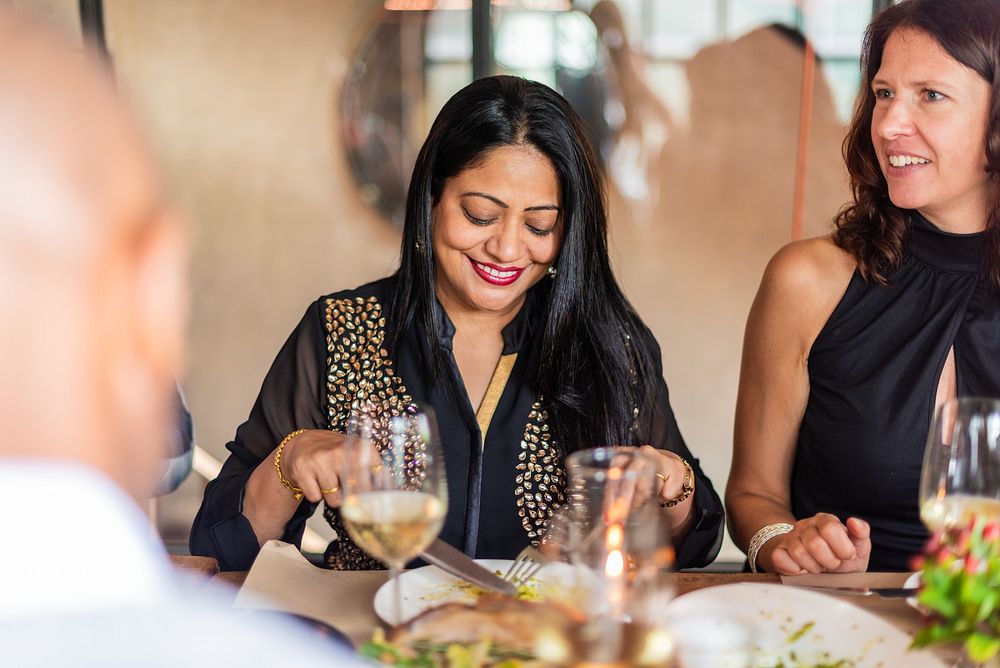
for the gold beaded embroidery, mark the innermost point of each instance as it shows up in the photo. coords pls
(359, 373)
(541, 476)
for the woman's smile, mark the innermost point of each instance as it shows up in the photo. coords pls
(494, 274)
(495, 231)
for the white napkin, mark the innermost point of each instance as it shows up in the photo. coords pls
(282, 579)
(847, 580)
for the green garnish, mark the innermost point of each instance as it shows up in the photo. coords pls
(801, 632)
(428, 654)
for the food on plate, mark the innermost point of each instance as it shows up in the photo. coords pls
(494, 632)
(461, 591)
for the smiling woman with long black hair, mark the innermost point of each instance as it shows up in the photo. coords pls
(505, 316)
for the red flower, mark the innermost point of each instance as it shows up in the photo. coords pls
(944, 554)
(971, 564)
(991, 531)
(962, 544)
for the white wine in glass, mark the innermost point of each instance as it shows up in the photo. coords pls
(960, 479)
(394, 486)
(393, 525)
(957, 510)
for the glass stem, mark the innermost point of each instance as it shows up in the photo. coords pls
(397, 592)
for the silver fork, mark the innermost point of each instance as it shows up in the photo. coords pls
(527, 564)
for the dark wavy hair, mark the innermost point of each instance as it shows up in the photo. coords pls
(595, 360)
(872, 228)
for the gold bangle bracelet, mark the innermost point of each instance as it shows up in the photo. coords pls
(687, 487)
(286, 483)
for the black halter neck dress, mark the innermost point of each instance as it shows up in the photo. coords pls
(873, 376)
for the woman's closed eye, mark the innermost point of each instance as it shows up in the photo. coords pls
(540, 229)
(477, 218)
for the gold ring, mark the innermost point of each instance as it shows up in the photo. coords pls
(661, 476)
(376, 468)
(330, 491)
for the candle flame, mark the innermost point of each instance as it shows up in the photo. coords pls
(615, 537)
(615, 564)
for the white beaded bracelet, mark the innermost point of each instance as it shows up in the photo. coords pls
(763, 535)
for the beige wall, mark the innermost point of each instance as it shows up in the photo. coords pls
(65, 14)
(693, 261)
(240, 96)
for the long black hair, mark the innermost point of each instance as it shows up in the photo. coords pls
(596, 362)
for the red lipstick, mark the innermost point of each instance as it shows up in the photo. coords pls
(495, 274)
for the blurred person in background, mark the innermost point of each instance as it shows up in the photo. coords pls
(641, 124)
(856, 337)
(92, 318)
(180, 455)
(506, 317)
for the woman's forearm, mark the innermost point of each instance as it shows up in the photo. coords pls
(267, 504)
(748, 513)
(680, 518)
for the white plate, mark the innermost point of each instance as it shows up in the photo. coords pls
(784, 620)
(913, 582)
(429, 587)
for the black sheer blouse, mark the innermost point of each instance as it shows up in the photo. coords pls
(505, 477)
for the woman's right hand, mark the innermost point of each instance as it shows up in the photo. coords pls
(313, 461)
(819, 544)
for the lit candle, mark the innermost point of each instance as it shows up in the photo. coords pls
(614, 569)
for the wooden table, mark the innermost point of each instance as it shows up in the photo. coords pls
(203, 566)
(363, 585)
(356, 590)
(685, 582)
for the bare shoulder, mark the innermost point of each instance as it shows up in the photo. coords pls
(811, 271)
(802, 285)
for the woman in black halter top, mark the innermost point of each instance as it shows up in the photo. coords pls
(854, 339)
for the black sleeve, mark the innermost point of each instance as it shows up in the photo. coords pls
(293, 396)
(704, 538)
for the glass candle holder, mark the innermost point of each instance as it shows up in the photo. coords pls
(618, 539)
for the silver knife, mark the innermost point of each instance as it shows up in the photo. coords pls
(884, 592)
(459, 564)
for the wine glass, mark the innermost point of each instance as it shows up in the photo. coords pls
(960, 479)
(394, 486)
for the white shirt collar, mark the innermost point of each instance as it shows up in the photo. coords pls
(73, 541)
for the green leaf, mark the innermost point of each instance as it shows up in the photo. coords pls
(988, 606)
(936, 634)
(974, 592)
(940, 600)
(981, 647)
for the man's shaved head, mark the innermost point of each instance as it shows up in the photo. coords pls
(91, 288)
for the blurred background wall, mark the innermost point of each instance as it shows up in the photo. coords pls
(240, 98)
(285, 132)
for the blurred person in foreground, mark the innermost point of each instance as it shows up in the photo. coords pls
(506, 317)
(92, 315)
(856, 337)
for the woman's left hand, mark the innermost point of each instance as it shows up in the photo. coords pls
(670, 475)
